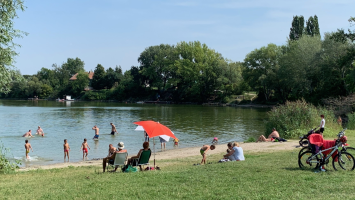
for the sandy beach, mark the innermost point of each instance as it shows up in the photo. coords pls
(184, 152)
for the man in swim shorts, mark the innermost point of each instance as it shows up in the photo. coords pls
(84, 147)
(272, 135)
(113, 129)
(203, 151)
(28, 147)
(96, 132)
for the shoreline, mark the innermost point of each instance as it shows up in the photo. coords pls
(181, 153)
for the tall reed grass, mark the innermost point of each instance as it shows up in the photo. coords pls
(294, 119)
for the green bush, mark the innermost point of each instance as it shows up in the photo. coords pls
(7, 165)
(351, 121)
(294, 119)
(250, 139)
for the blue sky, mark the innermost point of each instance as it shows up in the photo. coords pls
(115, 32)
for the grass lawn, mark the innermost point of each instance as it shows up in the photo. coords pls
(269, 175)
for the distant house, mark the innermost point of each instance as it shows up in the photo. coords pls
(90, 75)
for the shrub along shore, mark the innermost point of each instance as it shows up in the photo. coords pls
(265, 174)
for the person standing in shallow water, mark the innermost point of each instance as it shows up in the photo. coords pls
(113, 129)
(66, 149)
(28, 147)
(96, 136)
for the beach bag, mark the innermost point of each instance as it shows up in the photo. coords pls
(130, 169)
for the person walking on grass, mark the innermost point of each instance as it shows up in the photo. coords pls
(84, 147)
(66, 149)
(203, 151)
(321, 126)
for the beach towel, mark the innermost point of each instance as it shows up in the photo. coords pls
(329, 144)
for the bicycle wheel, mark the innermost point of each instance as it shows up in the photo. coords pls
(306, 162)
(302, 150)
(345, 161)
(350, 150)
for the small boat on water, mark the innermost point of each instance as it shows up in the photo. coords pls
(140, 102)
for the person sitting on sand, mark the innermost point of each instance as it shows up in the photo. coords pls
(203, 151)
(273, 134)
(28, 147)
(40, 131)
(28, 134)
(145, 148)
(235, 152)
(111, 158)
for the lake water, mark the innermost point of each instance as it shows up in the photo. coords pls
(194, 125)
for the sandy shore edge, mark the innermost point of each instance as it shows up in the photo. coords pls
(183, 153)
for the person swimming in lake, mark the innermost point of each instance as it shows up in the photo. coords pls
(203, 151)
(40, 131)
(28, 134)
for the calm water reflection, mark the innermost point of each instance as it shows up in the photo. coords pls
(194, 125)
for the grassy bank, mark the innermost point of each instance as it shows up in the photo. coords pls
(262, 176)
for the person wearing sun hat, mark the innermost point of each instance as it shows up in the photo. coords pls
(120, 149)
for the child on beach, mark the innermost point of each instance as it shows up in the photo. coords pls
(176, 142)
(203, 151)
(215, 140)
(66, 149)
(28, 147)
(84, 147)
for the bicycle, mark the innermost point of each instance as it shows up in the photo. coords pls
(345, 160)
(306, 146)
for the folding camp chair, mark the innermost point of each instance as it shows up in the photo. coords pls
(120, 160)
(143, 159)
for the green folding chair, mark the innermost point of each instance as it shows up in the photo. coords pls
(143, 159)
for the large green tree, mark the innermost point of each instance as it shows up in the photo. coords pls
(312, 26)
(261, 68)
(98, 80)
(197, 71)
(8, 12)
(296, 30)
(298, 66)
(157, 64)
(78, 85)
